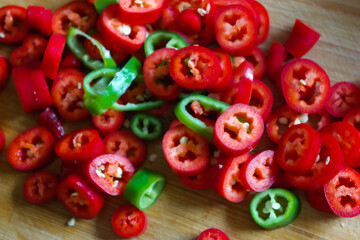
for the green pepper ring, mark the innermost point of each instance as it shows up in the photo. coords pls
(140, 124)
(173, 39)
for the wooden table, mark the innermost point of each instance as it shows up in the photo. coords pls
(181, 213)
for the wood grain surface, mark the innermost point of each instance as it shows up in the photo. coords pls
(181, 213)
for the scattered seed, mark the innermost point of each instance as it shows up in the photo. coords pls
(71, 222)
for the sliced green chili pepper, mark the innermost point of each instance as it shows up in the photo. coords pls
(100, 5)
(98, 103)
(79, 51)
(138, 106)
(172, 39)
(274, 208)
(146, 126)
(144, 188)
(193, 123)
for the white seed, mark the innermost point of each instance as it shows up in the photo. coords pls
(304, 118)
(140, 98)
(221, 166)
(183, 6)
(101, 167)
(233, 181)
(29, 153)
(317, 158)
(303, 82)
(81, 204)
(124, 29)
(116, 183)
(107, 54)
(183, 140)
(2, 35)
(75, 194)
(327, 161)
(100, 173)
(79, 85)
(138, 2)
(342, 224)
(246, 125)
(119, 172)
(297, 121)
(208, 7)
(283, 120)
(202, 12)
(152, 157)
(127, 123)
(217, 154)
(276, 206)
(71, 222)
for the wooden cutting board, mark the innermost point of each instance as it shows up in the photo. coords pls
(181, 213)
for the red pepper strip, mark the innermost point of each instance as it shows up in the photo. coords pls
(264, 21)
(52, 56)
(245, 73)
(24, 89)
(70, 61)
(4, 72)
(301, 39)
(40, 89)
(40, 18)
(51, 120)
(277, 56)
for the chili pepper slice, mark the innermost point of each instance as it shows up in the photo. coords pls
(128, 221)
(189, 22)
(140, 12)
(4, 72)
(213, 233)
(51, 120)
(40, 18)
(39, 86)
(100, 5)
(13, 27)
(276, 57)
(274, 208)
(52, 56)
(70, 61)
(138, 107)
(79, 51)
(144, 188)
(24, 88)
(146, 126)
(353, 118)
(226, 72)
(264, 21)
(109, 121)
(163, 38)
(317, 200)
(193, 123)
(261, 98)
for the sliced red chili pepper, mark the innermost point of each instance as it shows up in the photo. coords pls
(344, 97)
(276, 57)
(2, 140)
(51, 120)
(257, 58)
(32, 149)
(259, 172)
(264, 21)
(68, 94)
(305, 85)
(301, 39)
(4, 72)
(39, 86)
(24, 88)
(238, 129)
(186, 152)
(109, 121)
(327, 164)
(124, 37)
(227, 182)
(52, 56)
(79, 146)
(140, 12)
(128, 221)
(78, 197)
(175, 123)
(13, 27)
(298, 149)
(198, 182)
(213, 233)
(282, 182)
(32, 49)
(157, 77)
(189, 22)
(40, 187)
(226, 72)
(317, 200)
(70, 61)
(343, 193)
(195, 67)
(353, 118)
(261, 98)
(348, 138)
(235, 30)
(78, 14)
(40, 18)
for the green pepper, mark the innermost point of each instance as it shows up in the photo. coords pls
(99, 102)
(172, 39)
(274, 208)
(193, 123)
(100, 5)
(79, 51)
(138, 106)
(144, 188)
(146, 126)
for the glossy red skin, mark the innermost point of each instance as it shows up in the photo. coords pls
(225, 78)
(51, 120)
(40, 18)
(126, 144)
(317, 200)
(106, 26)
(226, 171)
(276, 58)
(244, 45)
(258, 59)
(111, 162)
(32, 49)
(109, 121)
(40, 187)
(4, 72)
(14, 32)
(264, 21)
(2, 140)
(349, 139)
(213, 233)
(282, 182)
(128, 221)
(78, 14)
(201, 181)
(344, 97)
(261, 98)
(243, 141)
(79, 146)
(86, 204)
(153, 73)
(70, 61)
(52, 56)
(67, 96)
(185, 158)
(260, 172)
(38, 141)
(175, 123)
(40, 88)
(308, 71)
(298, 148)
(353, 118)
(132, 14)
(301, 39)
(24, 89)
(205, 61)
(320, 173)
(342, 189)
(189, 22)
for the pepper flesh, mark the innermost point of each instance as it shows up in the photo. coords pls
(172, 39)
(146, 126)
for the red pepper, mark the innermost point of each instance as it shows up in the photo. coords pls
(276, 57)
(52, 56)
(317, 200)
(40, 18)
(225, 78)
(109, 121)
(261, 98)
(301, 39)
(264, 21)
(4, 72)
(13, 25)
(70, 61)
(2, 140)
(213, 233)
(133, 13)
(257, 58)
(24, 88)
(40, 88)
(200, 181)
(353, 118)
(128, 221)
(50, 119)
(189, 22)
